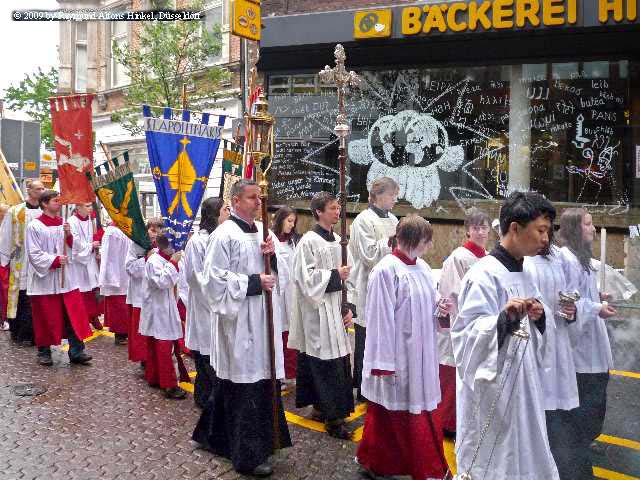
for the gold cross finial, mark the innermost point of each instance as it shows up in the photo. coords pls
(185, 141)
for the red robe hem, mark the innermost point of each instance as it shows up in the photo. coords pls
(136, 343)
(116, 314)
(445, 414)
(159, 370)
(48, 313)
(401, 443)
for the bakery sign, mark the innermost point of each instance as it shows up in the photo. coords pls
(472, 16)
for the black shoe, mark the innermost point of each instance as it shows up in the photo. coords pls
(338, 431)
(81, 359)
(120, 339)
(364, 472)
(263, 470)
(45, 360)
(175, 393)
(449, 435)
(598, 448)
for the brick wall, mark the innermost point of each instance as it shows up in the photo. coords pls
(286, 7)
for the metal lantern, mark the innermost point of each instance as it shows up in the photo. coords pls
(260, 130)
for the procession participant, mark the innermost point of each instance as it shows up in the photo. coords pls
(558, 378)
(284, 227)
(199, 315)
(589, 338)
(456, 265)
(114, 282)
(233, 280)
(500, 419)
(56, 302)
(368, 244)
(159, 318)
(134, 265)
(13, 256)
(318, 324)
(84, 263)
(400, 375)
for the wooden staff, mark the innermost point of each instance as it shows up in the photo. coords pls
(341, 78)
(603, 258)
(268, 301)
(64, 244)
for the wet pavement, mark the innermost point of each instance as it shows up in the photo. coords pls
(104, 422)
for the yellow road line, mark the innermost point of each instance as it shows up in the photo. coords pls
(450, 454)
(304, 422)
(621, 442)
(359, 411)
(622, 373)
(611, 475)
(186, 386)
(357, 434)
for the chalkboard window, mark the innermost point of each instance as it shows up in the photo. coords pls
(304, 84)
(453, 135)
(279, 85)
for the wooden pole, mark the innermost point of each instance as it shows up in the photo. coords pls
(603, 258)
(64, 244)
(269, 311)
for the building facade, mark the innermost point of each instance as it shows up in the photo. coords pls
(87, 65)
(462, 102)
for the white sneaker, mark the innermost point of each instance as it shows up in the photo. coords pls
(5, 326)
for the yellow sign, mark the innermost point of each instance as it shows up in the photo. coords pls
(372, 24)
(246, 19)
(29, 165)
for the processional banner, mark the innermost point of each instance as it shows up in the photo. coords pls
(181, 155)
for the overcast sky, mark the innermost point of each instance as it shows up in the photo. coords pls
(25, 46)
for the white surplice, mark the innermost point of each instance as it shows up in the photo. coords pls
(401, 337)
(368, 244)
(453, 270)
(159, 317)
(518, 427)
(559, 375)
(283, 291)
(316, 326)
(239, 349)
(12, 251)
(113, 277)
(83, 263)
(589, 336)
(134, 265)
(45, 243)
(199, 314)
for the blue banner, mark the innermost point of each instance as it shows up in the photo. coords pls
(181, 155)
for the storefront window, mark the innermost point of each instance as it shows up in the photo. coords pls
(471, 133)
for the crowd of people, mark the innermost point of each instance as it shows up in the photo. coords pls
(487, 354)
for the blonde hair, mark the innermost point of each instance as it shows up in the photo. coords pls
(381, 185)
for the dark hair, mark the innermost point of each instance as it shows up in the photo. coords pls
(238, 188)
(210, 213)
(476, 217)
(571, 236)
(154, 222)
(162, 239)
(278, 221)
(413, 229)
(47, 196)
(320, 201)
(523, 208)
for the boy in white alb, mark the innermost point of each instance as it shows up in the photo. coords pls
(56, 303)
(159, 317)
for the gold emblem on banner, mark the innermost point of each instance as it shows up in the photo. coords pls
(246, 19)
(372, 24)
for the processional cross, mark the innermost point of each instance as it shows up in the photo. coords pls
(341, 78)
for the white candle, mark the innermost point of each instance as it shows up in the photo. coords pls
(603, 257)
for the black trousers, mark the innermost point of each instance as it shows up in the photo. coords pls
(358, 357)
(21, 327)
(205, 376)
(571, 432)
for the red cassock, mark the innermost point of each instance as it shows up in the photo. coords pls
(159, 370)
(116, 314)
(136, 343)
(445, 414)
(4, 291)
(48, 312)
(401, 443)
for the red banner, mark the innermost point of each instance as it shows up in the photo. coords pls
(71, 122)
